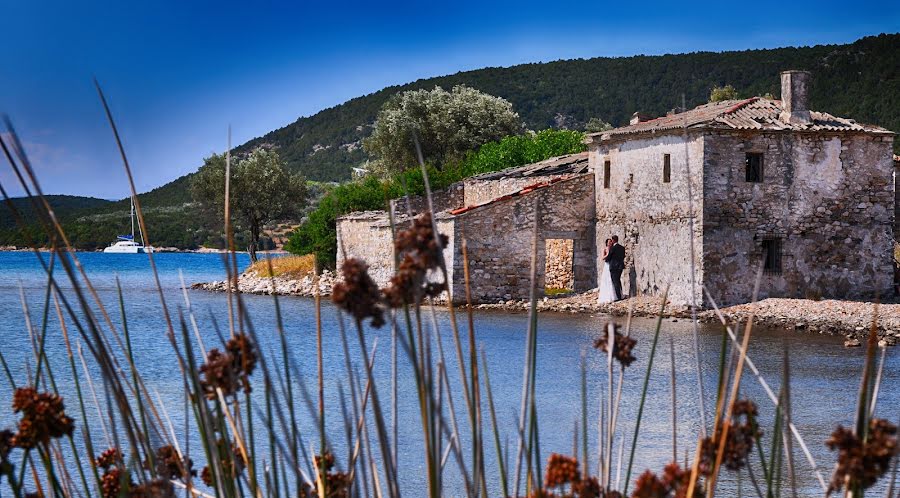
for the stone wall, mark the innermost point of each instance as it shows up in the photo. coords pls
(650, 216)
(481, 191)
(828, 198)
(368, 236)
(449, 198)
(499, 239)
(559, 273)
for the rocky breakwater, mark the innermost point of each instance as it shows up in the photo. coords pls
(251, 283)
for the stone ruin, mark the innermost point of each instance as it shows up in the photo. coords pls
(706, 198)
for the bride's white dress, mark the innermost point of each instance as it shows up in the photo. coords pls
(607, 293)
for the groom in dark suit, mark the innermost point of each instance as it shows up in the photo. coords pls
(616, 260)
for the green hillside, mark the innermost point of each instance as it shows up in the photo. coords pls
(860, 80)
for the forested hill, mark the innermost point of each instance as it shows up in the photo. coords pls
(860, 80)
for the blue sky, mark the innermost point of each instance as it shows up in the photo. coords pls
(179, 73)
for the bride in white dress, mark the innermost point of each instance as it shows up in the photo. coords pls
(607, 293)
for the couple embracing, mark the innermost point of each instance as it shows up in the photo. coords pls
(610, 289)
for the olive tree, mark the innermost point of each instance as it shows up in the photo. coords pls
(721, 93)
(595, 125)
(446, 124)
(262, 190)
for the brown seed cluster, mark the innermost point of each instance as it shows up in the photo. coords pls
(622, 345)
(743, 432)
(206, 476)
(561, 470)
(420, 252)
(43, 417)
(229, 370)
(109, 458)
(358, 294)
(157, 488)
(170, 465)
(862, 463)
(673, 484)
(563, 479)
(337, 484)
(111, 482)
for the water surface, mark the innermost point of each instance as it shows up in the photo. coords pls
(824, 375)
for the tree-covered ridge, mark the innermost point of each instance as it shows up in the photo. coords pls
(858, 80)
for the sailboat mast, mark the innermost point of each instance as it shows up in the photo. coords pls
(132, 217)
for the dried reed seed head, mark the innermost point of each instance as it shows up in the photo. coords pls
(229, 370)
(111, 482)
(590, 488)
(622, 345)
(674, 483)
(109, 458)
(358, 294)
(420, 241)
(157, 488)
(43, 417)
(561, 470)
(649, 486)
(170, 465)
(243, 353)
(419, 252)
(741, 435)
(861, 464)
(206, 476)
(327, 461)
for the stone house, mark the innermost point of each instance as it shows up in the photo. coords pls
(495, 214)
(803, 196)
(745, 186)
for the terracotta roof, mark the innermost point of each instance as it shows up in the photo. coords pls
(756, 113)
(570, 164)
(525, 190)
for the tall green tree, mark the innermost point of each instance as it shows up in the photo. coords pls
(446, 124)
(262, 191)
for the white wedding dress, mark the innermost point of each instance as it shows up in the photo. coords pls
(607, 293)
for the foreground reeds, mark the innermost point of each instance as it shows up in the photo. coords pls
(256, 448)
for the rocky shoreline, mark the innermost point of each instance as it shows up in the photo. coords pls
(249, 283)
(852, 319)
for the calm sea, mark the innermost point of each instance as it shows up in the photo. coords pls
(824, 375)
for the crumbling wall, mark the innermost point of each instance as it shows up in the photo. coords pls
(828, 198)
(479, 191)
(651, 216)
(499, 239)
(368, 236)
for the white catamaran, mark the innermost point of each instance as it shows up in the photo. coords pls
(125, 244)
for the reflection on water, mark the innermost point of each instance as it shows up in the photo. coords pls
(824, 375)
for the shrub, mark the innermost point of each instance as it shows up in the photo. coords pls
(318, 233)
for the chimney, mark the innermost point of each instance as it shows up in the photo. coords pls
(795, 97)
(639, 117)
